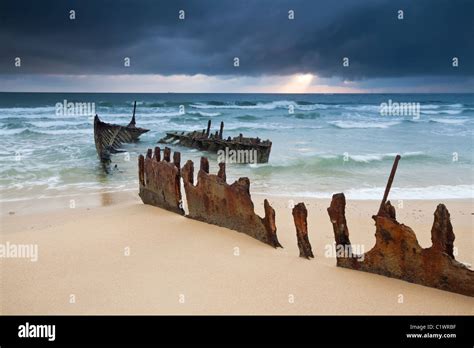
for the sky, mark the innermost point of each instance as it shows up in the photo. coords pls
(282, 46)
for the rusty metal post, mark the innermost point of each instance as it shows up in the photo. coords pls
(221, 130)
(221, 173)
(167, 154)
(208, 128)
(389, 184)
(157, 155)
(204, 165)
(300, 215)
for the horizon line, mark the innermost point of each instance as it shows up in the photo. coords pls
(269, 93)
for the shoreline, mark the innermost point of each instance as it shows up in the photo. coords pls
(81, 253)
(117, 197)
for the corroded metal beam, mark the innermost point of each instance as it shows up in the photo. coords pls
(337, 214)
(159, 180)
(389, 183)
(214, 201)
(300, 215)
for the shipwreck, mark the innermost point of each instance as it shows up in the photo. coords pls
(397, 253)
(109, 137)
(248, 150)
(211, 200)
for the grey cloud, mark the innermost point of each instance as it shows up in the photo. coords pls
(258, 32)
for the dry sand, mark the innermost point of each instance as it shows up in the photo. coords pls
(180, 266)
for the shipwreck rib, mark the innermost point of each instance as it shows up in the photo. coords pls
(397, 253)
(300, 215)
(109, 137)
(206, 141)
(214, 201)
(159, 180)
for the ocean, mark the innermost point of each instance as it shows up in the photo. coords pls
(322, 143)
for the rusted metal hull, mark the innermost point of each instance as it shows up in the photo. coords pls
(159, 180)
(205, 141)
(109, 137)
(214, 201)
(398, 254)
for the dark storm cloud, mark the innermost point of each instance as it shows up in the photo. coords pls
(258, 32)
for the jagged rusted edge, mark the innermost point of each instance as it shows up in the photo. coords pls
(397, 253)
(160, 180)
(214, 201)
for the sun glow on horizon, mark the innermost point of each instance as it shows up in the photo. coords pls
(298, 83)
(155, 83)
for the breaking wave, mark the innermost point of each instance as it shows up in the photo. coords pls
(281, 104)
(449, 120)
(348, 124)
(202, 113)
(332, 163)
(406, 193)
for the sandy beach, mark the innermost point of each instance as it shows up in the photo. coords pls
(111, 254)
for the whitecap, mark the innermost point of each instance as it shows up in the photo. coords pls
(428, 192)
(47, 124)
(63, 131)
(34, 110)
(374, 193)
(449, 120)
(380, 157)
(361, 124)
(11, 131)
(203, 113)
(280, 104)
(429, 106)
